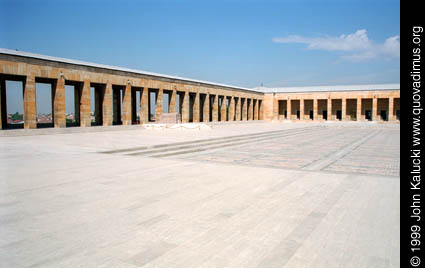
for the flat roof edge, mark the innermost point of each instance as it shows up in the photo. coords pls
(372, 87)
(115, 68)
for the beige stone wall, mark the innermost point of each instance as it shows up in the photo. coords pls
(104, 81)
(352, 104)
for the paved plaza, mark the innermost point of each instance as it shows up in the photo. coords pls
(244, 194)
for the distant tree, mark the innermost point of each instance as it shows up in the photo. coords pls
(17, 116)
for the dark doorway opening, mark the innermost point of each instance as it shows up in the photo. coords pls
(384, 115)
(397, 114)
(117, 96)
(12, 102)
(210, 116)
(97, 95)
(227, 108)
(242, 108)
(298, 114)
(153, 94)
(339, 115)
(368, 115)
(45, 93)
(311, 114)
(136, 100)
(220, 103)
(325, 115)
(72, 103)
(191, 104)
(202, 99)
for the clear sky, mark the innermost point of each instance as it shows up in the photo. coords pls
(244, 43)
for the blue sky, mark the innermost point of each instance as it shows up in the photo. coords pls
(244, 43)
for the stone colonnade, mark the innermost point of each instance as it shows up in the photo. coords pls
(378, 105)
(114, 93)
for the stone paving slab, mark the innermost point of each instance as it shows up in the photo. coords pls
(64, 204)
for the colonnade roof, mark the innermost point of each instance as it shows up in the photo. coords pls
(113, 68)
(329, 88)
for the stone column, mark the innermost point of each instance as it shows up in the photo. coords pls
(301, 109)
(173, 101)
(238, 110)
(85, 117)
(315, 110)
(374, 109)
(59, 117)
(206, 108)
(359, 109)
(344, 109)
(3, 109)
(260, 110)
(185, 107)
(196, 108)
(223, 109)
(288, 109)
(244, 109)
(159, 104)
(391, 109)
(30, 109)
(251, 110)
(215, 109)
(144, 106)
(107, 105)
(126, 106)
(232, 109)
(329, 111)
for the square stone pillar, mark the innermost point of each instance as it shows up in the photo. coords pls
(223, 108)
(244, 109)
(289, 109)
(359, 109)
(329, 111)
(260, 110)
(85, 117)
(232, 109)
(302, 109)
(30, 109)
(215, 109)
(172, 101)
(159, 109)
(251, 110)
(375, 109)
(238, 109)
(391, 109)
(3, 110)
(344, 109)
(196, 108)
(315, 109)
(107, 105)
(185, 107)
(206, 108)
(144, 106)
(59, 116)
(98, 104)
(126, 106)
